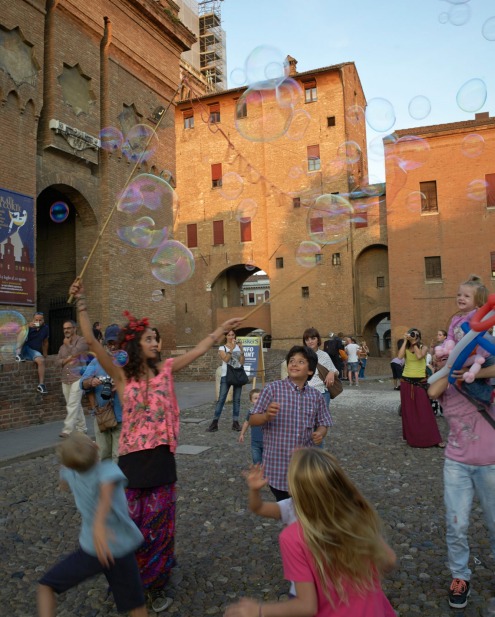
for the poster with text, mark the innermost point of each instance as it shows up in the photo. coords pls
(252, 347)
(17, 282)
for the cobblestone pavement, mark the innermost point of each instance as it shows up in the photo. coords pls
(225, 552)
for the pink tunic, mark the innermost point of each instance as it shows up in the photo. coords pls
(150, 415)
(299, 567)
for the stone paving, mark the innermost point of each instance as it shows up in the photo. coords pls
(224, 551)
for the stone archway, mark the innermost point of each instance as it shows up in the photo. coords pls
(372, 284)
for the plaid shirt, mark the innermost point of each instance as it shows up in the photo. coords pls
(301, 410)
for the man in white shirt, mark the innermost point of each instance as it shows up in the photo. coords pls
(352, 349)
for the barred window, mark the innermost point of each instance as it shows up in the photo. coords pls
(433, 268)
(429, 202)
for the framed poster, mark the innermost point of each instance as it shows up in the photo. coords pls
(17, 278)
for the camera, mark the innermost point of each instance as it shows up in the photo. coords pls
(412, 334)
(107, 383)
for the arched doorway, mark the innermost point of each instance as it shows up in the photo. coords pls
(372, 285)
(58, 210)
(377, 334)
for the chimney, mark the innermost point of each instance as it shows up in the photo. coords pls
(484, 115)
(292, 62)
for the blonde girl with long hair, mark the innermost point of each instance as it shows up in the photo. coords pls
(334, 552)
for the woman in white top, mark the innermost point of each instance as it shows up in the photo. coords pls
(352, 349)
(231, 353)
(312, 339)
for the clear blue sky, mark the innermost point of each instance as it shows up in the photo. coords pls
(401, 48)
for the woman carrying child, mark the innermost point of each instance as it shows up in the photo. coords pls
(150, 428)
(334, 552)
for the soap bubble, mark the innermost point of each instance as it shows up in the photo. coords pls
(157, 295)
(459, 14)
(350, 152)
(443, 18)
(488, 29)
(140, 143)
(246, 210)
(380, 114)
(267, 120)
(78, 364)
(412, 151)
(149, 191)
(142, 234)
(13, 333)
(120, 358)
(299, 125)
(173, 263)
(111, 139)
(265, 67)
(232, 185)
(355, 114)
(472, 95)
(306, 253)
(419, 107)
(250, 265)
(289, 93)
(59, 212)
(238, 77)
(414, 201)
(476, 190)
(473, 145)
(329, 219)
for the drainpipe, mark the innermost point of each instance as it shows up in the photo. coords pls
(48, 72)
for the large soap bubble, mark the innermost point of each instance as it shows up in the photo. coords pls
(329, 219)
(269, 116)
(265, 67)
(13, 333)
(142, 234)
(173, 263)
(149, 191)
(306, 254)
(140, 143)
(472, 95)
(380, 114)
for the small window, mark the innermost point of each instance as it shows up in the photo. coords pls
(267, 295)
(336, 259)
(251, 298)
(433, 268)
(216, 175)
(279, 262)
(330, 120)
(188, 116)
(318, 258)
(310, 92)
(380, 281)
(192, 235)
(490, 190)
(240, 109)
(305, 292)
(246, 230)
(214, 113)
(314, 163)
(296, 202)
(492, 264)
(360, 219)
(316, 225)
(429, 201)
(218, 232)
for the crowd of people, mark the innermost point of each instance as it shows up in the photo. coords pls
(332, 547)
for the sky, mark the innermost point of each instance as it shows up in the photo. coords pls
(402, 49)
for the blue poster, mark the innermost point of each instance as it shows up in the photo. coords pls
(17, 277)
(252, 347)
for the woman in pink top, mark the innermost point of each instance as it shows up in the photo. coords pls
(150, 429)
(334, 553)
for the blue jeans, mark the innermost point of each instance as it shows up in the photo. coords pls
(222, 397)
(362, 362)
(257, 452)
(461, 481)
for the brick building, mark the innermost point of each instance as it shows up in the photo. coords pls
(69, 71)
(248, 202)
(440, 218)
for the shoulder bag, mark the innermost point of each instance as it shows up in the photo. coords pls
(105, 417)
(336, 388)
(236, 376)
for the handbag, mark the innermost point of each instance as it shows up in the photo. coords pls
(343, 355)
(105, 417)
(322, 372)
(336, 388)
(236, 376)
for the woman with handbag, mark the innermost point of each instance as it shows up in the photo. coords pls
(232, 356)
(326, 373)
(148, 441)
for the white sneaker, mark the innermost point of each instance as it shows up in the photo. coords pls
(159, 602)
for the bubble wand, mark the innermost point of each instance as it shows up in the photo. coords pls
(70, 299)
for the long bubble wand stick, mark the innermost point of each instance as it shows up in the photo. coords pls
(70, 299)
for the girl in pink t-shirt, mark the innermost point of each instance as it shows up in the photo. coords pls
(334, 553)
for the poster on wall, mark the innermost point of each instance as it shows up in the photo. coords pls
(17, 284)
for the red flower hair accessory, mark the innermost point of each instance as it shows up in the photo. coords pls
(135, 325)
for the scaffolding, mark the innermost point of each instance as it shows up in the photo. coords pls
(212, 44)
